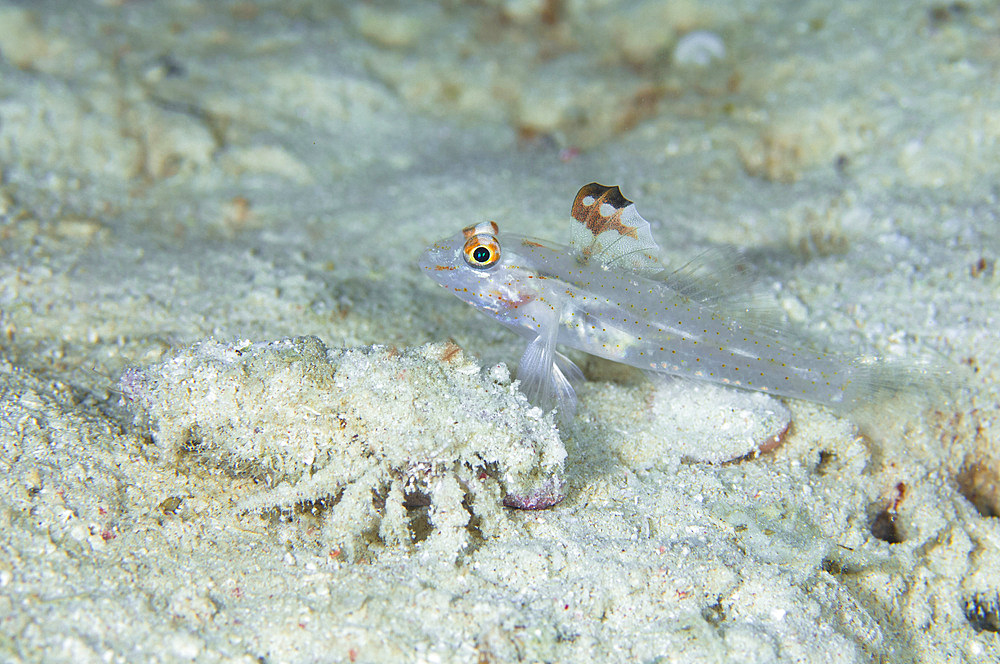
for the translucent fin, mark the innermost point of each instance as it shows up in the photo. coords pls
(570, 371)
(547, 377)
(717, 275)
(886, 395)
(564, 376)
(608, 230)
(875, 381)
(723, 278)
(535, 370)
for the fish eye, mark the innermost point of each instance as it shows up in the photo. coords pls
(482, 251)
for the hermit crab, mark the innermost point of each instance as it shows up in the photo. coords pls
(417, 448)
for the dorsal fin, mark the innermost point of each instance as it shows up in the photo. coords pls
(608, 230)
(724, 279)
(714, 276)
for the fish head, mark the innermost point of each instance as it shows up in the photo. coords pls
(476, 266)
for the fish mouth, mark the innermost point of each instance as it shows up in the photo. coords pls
(427, 260)
(434, 258)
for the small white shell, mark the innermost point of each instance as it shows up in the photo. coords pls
(699, 48)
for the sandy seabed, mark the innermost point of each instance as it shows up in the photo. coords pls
(177, 172)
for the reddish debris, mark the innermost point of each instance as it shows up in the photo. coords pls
(548, 493)
(775, 441)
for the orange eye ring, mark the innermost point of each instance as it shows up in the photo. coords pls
(481, 251)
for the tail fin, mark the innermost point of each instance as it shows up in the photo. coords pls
(890, 388)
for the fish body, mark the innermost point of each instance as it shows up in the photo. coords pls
(606, 294)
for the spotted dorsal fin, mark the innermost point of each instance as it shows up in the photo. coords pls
(608, 231)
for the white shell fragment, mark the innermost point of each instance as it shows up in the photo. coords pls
(373, 435)
(688, 421)
(699, 48)
(712, 424)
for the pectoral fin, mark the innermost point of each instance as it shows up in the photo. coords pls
(547, 376)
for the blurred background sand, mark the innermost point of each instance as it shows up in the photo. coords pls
(184, 170)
